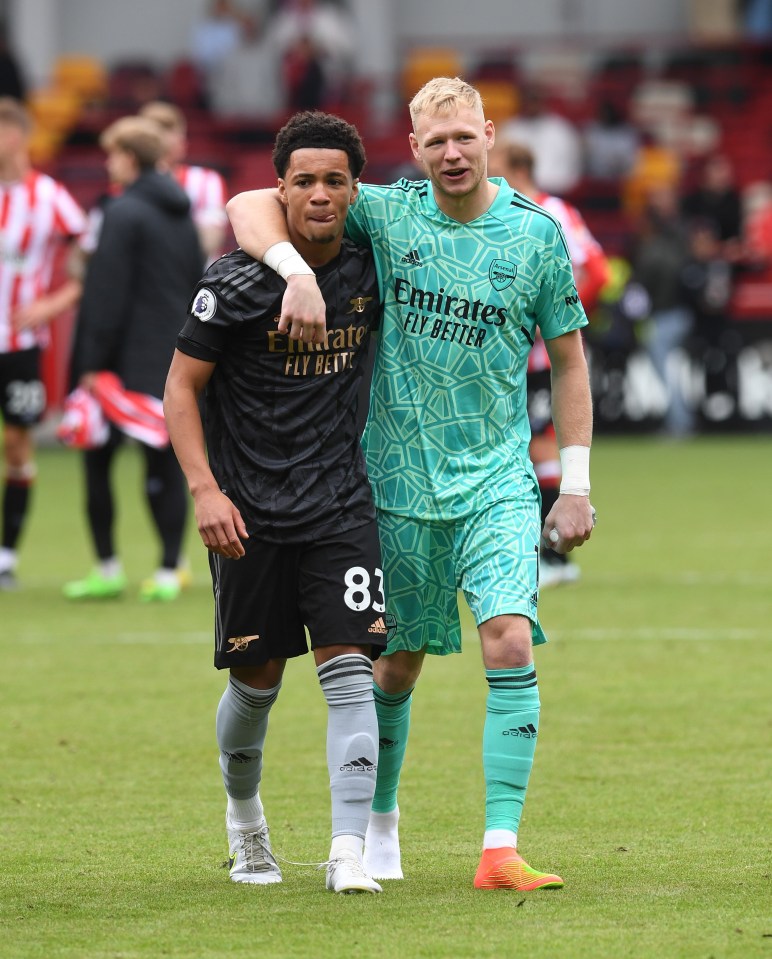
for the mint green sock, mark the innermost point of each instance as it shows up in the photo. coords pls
(509, 742)
(393, 711)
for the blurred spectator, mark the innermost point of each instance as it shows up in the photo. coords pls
(249, 83)
(205, 187)
(717, 201)
(216, 38)
(657, 167)
(659, 256)
(707, 283)
(611, 144)
(304, 78)
(757, 18)
(138, 283)
(315, 30)
(555, 142)
(11, 77)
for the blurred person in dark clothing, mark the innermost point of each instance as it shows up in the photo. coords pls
(717, 201)
(138, 283)
(323, 29)
(707, 284)
(660, 253)
(11, 76)
(303, 74)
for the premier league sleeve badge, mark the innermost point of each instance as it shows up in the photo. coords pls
(204, 305)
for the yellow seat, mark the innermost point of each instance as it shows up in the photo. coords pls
(83, 75)
(501, 99)
(423, 63)
(54, 109)
(43, 145)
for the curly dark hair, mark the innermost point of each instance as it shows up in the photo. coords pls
(318, 131)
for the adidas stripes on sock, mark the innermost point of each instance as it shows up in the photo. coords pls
(242, 723)
(393, 712)
(352, 740)
(509, 743)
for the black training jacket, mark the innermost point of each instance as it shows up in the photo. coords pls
(138, 285)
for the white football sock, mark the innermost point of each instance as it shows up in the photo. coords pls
(347, 844)
(382, 856)
(499, 838)
(110, 567)
(245, 812)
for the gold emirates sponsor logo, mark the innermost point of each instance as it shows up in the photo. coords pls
(334, 355)
(240, 643)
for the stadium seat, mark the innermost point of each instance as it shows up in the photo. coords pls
(501, 99)
(44, 146)
(53, 109)
(423, 63)
(83, 75)
(184, 86)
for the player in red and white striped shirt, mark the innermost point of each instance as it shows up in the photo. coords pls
(515, 162)
(37, 214)
(205, 187)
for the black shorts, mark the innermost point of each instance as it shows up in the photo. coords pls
(22, 392)
(264, 601)
(539, 390)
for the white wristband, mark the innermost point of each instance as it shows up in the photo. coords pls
(575, 465)
(285, 260)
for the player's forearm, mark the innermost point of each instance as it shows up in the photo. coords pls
(258, 221)
(183, 421)
(62, 298)
(572, 404)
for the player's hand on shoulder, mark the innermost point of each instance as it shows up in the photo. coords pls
(220, 524)
(303, 310)
(569, 523)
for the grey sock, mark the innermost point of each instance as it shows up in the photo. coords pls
(352, 740)
(242, 722)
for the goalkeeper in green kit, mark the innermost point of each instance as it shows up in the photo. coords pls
(468, 270)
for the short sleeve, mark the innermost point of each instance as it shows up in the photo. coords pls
(211, 319)
(558, 307)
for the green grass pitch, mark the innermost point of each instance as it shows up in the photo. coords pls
(650, 793)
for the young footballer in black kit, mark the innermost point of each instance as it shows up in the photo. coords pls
(283, 501)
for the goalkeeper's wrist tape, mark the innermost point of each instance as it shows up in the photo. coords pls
(575, 465)
(285, 260)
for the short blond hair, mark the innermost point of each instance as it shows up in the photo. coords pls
(136, 135)
(169, 117)
(444, 95)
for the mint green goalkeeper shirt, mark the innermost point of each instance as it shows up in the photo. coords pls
(448, 431)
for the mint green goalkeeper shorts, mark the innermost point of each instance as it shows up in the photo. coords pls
(492, 556)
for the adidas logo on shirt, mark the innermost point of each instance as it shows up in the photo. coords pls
(412, 258)
(379, 626)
